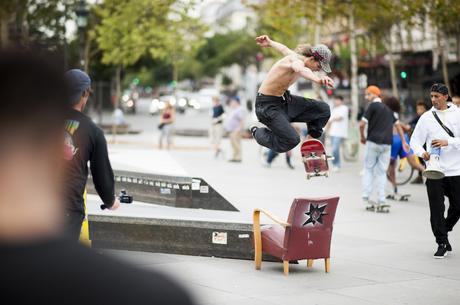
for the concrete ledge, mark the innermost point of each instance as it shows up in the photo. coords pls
(174, 191)
(190, 237)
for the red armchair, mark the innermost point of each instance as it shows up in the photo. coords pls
(306, 234)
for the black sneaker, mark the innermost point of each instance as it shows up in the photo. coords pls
(448, 247)
(253, 130)
(441, 252)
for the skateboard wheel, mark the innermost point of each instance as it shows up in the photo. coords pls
(308, 176)
(326, 174)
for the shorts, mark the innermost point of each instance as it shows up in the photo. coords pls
(397, 149)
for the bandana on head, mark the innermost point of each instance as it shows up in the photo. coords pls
(442, 89)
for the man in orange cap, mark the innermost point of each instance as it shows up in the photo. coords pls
(380, 120)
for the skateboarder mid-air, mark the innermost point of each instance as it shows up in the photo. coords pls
(277, 108)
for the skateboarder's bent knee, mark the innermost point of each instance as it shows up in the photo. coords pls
(289, 143)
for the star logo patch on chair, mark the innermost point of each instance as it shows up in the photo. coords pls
(315, 214)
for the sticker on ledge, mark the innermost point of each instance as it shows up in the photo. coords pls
(219, 238)
(165, 191)
(204, 189)
(243, 235)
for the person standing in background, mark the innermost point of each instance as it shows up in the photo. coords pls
(338, 130)
(217, 129)
(166, 126)
(235, 125)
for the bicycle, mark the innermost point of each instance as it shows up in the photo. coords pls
(404, 171)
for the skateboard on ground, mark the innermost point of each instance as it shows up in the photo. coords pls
(314, 158)
(378, 208)
(404, 197)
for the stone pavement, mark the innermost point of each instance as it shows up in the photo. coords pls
(376, 258)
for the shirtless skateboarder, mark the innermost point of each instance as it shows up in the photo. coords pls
(277, 108)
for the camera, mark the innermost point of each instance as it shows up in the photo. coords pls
(124, 197)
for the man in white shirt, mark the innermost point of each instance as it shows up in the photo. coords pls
(338, 129)
(430, 132)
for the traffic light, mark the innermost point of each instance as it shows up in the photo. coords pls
(403, 74)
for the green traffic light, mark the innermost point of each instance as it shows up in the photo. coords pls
(403, 74)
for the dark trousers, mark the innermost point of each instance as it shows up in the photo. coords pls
(74, 221)
(437, 189)
(277, 113)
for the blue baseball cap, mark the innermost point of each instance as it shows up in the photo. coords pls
(78, 82)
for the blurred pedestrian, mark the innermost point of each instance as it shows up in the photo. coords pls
(380, 121)
(397, 150)
(271, 156)
(439, 130)
(85, 142)
(277, 108)
(166, 126)
(217, 129)
(235, 125)
(38, 265)
(456, 100)
(338, 129)
(420, 109)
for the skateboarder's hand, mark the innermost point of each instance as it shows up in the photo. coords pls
(327, 81)
(116, 205)
(263, 41)
(439, 143)
(426, 156)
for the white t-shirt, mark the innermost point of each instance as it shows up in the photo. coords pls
(339, 128)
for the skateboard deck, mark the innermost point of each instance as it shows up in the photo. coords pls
(314, 158)
(404, 197)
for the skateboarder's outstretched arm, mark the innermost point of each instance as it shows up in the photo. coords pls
(265, 42)
(299, 67)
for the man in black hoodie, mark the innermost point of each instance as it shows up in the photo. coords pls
(84, 142)
(38, 265)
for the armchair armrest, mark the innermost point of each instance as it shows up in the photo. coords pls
(258, 235)
(269, 215)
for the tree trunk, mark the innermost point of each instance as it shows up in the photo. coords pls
(318, 24)
(115, 103)
(445, 70)
(354, 64)
(5, 39)
(87, 54)
(394, 80)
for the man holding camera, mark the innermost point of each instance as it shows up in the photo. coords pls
(439, 129)
(84, 142)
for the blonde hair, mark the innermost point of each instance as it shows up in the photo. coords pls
(304, 50)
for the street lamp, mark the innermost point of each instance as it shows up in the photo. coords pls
(82, 13)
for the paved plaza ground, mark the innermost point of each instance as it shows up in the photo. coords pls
(375, 258)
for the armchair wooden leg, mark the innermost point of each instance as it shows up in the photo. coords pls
(327, 264)
(309, 263)
(258, 257)
(257, 240)
(286, 267)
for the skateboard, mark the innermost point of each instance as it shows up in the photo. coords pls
(314, 158)
(378, 208)
(404, 197)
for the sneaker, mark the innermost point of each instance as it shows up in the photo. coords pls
(253, 130)
(448, 247)
(441, 252)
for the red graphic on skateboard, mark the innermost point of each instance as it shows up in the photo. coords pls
(314, 158)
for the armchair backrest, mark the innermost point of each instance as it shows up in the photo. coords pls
(311, 228)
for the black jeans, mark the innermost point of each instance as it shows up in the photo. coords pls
(277, 113)
(437, 189)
